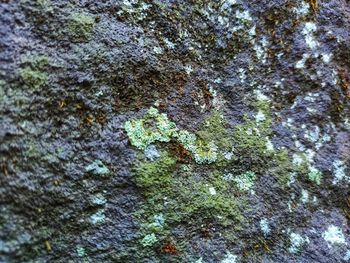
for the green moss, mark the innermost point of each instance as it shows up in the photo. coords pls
(33, 78)
(81, 26)
(251, 137)
(214, 129)
(33, 75)
(183, 198)
(152, 175)
(281, 167)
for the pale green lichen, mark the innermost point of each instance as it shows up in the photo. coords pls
(156, 127)
(98, 199)
(98, 217)
(245, 181)
(297, 242)
(152, 128)
(149, 240)
(97, 168)
(81, 251)
(334, 235)
(314, 175)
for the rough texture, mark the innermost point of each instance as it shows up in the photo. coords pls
(261, 89)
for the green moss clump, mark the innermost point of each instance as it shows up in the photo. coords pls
(214, 130)
(81, 26)
(154, 175)
(33, 79)
(281, 167)
(183, 198)
(251, 137)
(34, 75)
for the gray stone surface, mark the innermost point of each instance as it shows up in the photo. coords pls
(72, 73)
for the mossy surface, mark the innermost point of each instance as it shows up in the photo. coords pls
(81, 26)
(34, 74)
(184, 197)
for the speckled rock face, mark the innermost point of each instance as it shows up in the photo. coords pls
(175, 131)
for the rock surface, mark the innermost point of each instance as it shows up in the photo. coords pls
(241, 109)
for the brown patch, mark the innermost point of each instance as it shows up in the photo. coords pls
(169, 248)
(4, 168)
(180, 152)
(344, 81)
(314, 5)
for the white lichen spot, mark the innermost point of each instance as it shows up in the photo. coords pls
(245, 181)
(98, 199)
(314, 175)
(298, 159)
(158, 50)
(308, 32)
(260, 96)
(242, 74)
(200, 260)
(228, 177)
(299, 145)
(244, 16)
(230, 258)
(269, 144)
(98, 217)
(333, 235)
(188, 69)
(301, 63)
(252, 31)
(292, 177)
(302, 9)
(304, 196)
(231, 2)
(326, 58)
(260, 116)
(149, 240)
(261, 50)
(228, 155)
(339, 172)
(151, 152)
(169, 44)
(347, 256)
(212, 191)
(264, 226)
(81, 251)
(297, 242)
(313, 135)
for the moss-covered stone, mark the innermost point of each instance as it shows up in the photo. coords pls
(81, 26)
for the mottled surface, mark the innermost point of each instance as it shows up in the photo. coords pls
(263, 85)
